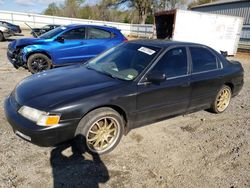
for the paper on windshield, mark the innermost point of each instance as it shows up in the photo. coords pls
(146, 50)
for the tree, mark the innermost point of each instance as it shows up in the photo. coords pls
(168, 4)
(72, 7)
(200, 2)
(146, 8)
(52, 10)
(130, 11)
(142, 7)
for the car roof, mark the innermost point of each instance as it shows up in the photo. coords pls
(161, 43)
(91, 25)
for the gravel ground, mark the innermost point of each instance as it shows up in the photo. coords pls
(195, 150)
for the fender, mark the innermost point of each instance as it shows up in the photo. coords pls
(33, 49)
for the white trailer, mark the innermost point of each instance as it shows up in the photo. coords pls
(221, 32)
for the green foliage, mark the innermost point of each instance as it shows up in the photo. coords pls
(52, 9)
(127, 11)
(200, 2)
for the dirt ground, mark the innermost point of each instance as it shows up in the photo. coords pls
(195, 150)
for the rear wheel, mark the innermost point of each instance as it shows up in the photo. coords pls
(1, 37)
(38, 62)
(102, 130)
(222, 100)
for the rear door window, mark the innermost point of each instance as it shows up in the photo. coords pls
(202, 60)
(95, 33)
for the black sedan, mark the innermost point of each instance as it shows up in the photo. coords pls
(131, 85)
(39, 31)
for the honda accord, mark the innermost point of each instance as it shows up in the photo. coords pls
(128, 86)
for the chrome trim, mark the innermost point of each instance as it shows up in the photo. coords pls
(194, 73)
(23, 135)
(171, 78)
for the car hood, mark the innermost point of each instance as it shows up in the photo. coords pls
(36, 28)
(26, 42)
(53, 87)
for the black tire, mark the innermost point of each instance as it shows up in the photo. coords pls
(215, 108)
(1, 37)
(88, 124)
(38, 62)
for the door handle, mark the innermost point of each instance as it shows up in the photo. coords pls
(82, 43)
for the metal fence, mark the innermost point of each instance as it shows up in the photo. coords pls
(37, 20)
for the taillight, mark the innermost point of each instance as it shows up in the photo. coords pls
(125, 40)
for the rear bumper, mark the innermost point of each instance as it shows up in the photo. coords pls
(42, 136)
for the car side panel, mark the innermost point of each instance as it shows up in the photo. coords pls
(159, 101)
(204, 88)
(70, 51)
(97, 46)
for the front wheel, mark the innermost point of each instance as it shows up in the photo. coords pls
(38, 62)
(222, 100)
(102, 130)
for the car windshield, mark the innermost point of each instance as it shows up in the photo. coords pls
(124, 62)
(46, 27)
(52, 33)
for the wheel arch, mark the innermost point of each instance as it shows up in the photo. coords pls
(231, 85)
(38, 52)
(118, 109)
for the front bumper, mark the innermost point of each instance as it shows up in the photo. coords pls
(42, 136)
(15, 58)
(7, 34)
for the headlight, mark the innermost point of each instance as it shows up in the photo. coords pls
(27, 49)
(39, 117)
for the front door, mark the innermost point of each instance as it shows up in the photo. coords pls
(73, 48)
(156, 101)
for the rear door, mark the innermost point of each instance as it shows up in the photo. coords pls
(206, 77)
(99, 40)
(156, 101)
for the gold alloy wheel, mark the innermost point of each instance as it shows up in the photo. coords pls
(103, 134)
(223, 99)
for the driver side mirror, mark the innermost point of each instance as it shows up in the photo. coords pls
(156, 77)
(60, 39)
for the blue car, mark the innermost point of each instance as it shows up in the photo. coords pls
(62, 46)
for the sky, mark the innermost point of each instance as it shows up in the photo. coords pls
(34, 6)
(31, 6)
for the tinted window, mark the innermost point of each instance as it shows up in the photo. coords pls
(173, 63)
(74, 34)
(94, 33)
(203, 59)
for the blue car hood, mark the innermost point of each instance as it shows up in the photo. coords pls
(26, 42)
(52, 87)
